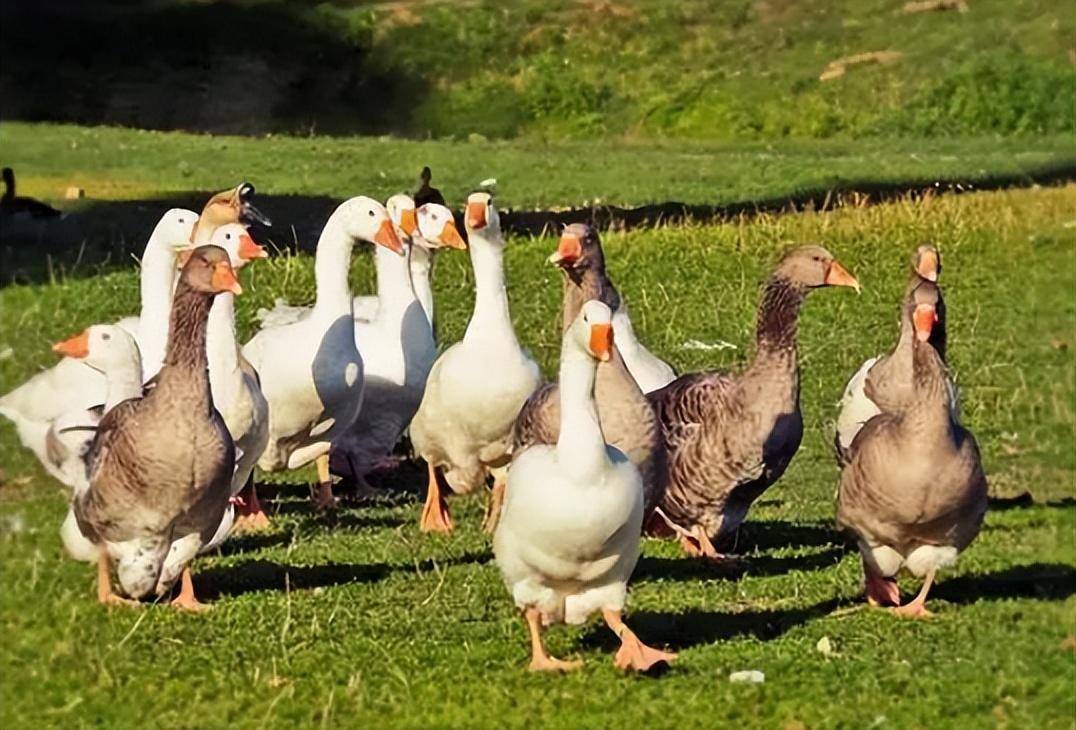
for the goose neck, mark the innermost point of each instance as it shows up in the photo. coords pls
(155, 285)
(222, 353)
(331, 264)
(123, 382)
(421, 263)
(394, 292)
(491, 315)
(581, 444)
(186, 356)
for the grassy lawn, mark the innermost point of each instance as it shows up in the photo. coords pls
(360, 620)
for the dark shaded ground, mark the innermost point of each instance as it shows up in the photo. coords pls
(103, 234)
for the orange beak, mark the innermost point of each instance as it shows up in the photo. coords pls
(224, 279)
(408, 221)
(248, 250)
(928, 266)
(839, 276)
(451, 237)
(601, 340)
(925, 318)
(386, 236)
(569, 250)
(476, 215)
(77, 346)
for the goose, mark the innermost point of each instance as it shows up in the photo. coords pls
(13, 205)
(311, 371)
(425, 193)
(397, 346)
(855, 407)
(463, 426)
(729, 437)
(627, 418)
(568, 539)
(73, 386)
(160, 466)
(912, 489)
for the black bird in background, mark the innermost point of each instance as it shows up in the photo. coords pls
(11, 205)
(426, 193)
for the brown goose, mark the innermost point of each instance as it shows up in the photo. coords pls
(160, 467)
(729, 437)
(627, 419)
(913, 490)
(855, 407)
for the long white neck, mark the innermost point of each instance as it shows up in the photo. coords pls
(222, 351)
(421, 266)
(491, 317)
(581, 445)
(123, 381)
(394, 293)
(158, 271)
(331, 263)
(626, 341)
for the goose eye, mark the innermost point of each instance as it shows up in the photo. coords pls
(371, 213)
(106, 336)
(182, 220)
(228, 236)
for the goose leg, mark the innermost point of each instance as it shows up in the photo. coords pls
(633, 653)
(104, 583)
(324, 500)
(250, 517)
(697, 544)
(494, 505)
(540, 660)
(186, 599)
(435, 515)
(881, 591)
(917, 608)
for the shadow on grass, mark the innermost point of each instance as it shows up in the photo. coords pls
(102, 234)
(760, 536)
(694, 628)
(256, 576)
(1024, 500)
(1038, 581)
(687, 568)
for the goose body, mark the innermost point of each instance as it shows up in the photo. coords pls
(568, 539)
(14, 205)
(912, 489)
(311, 371)
(475, 389)
(729, 437)
(161, 465)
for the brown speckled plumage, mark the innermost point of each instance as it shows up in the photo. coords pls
(160, 466)
(729, 437)
(627, 419)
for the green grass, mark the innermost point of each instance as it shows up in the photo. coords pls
(363, 621)
(544, 69)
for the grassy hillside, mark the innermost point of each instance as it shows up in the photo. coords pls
(361, 620)
(701, 69)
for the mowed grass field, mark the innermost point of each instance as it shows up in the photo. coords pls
(359, 620)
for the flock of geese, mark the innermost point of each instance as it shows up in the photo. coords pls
(156, 422)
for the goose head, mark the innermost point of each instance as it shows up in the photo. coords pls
(237, 241)
(231, 206)
(101, 346)
(811, 267)
(481, 214)
(209, 270)
(592, 330)
(401, 209)
(579, 248)
(173, 231)
(926, 261)
(922, 307)
(437, 227)
(365, 219)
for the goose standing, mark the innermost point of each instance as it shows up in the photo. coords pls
(729, 437)
(463, 426)
(855, 407)
(161, 465)
(311, 371)
(628, 420)
(568, 540)
(397, 346)
(912, 489)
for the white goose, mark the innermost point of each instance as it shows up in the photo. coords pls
(71, 385)
(397, 345)
(476, 387)
(311, 371)
(650, 371)
(568, 538)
